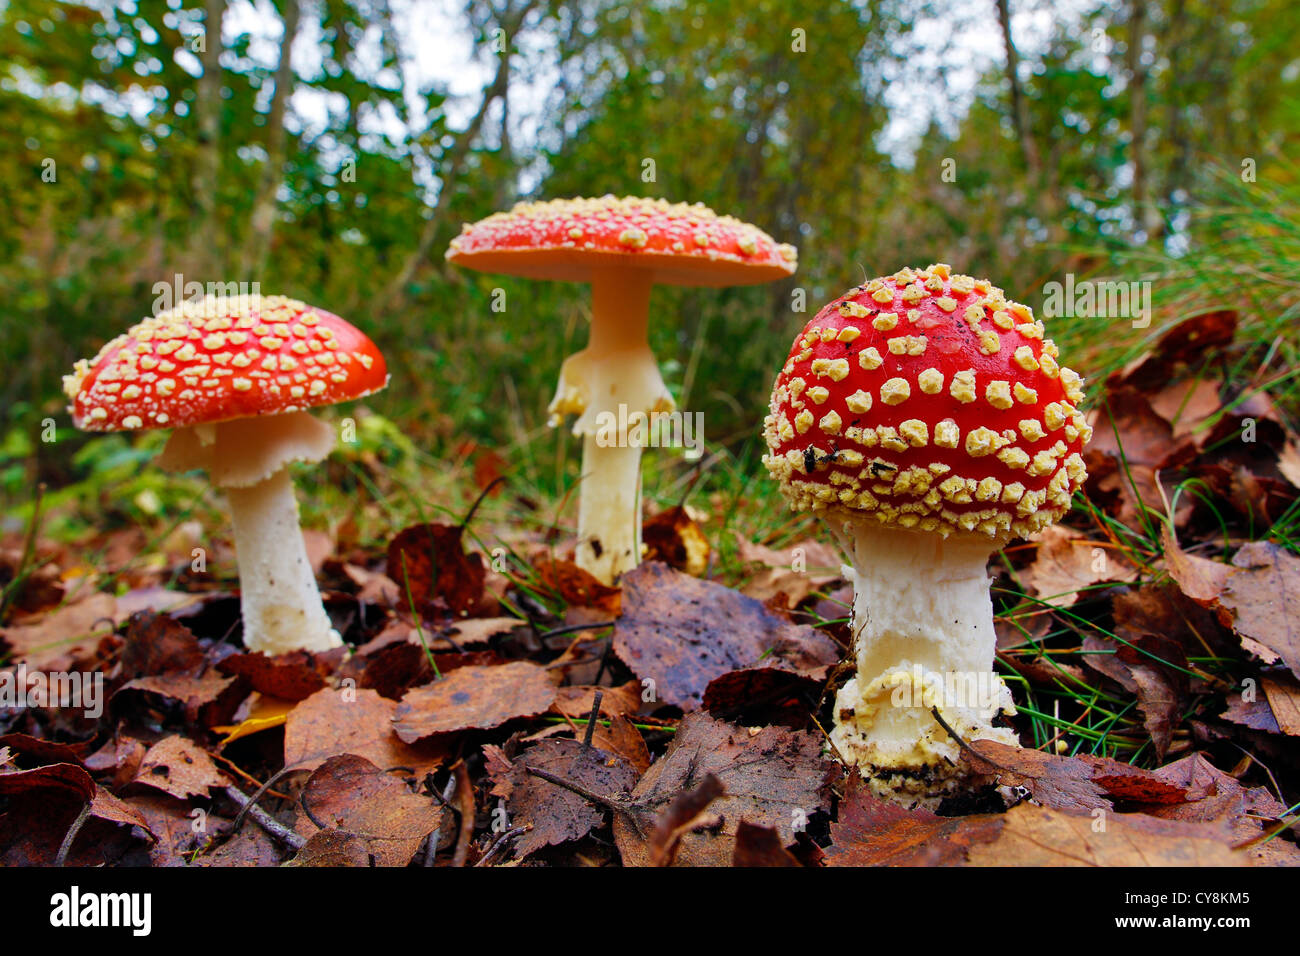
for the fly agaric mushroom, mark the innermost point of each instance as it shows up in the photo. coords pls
(233, 377)
(621, 247)
(924, 418)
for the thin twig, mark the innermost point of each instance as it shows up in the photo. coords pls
(500, 841)
(601, 800)
(302, 802)
(261, 788)
(431, 845)
(465, 792)
(934, 712)
(595, 716)
(257, 795)
(479, 500)
(604, 660)
(571, 628)
(71, 835)
(293, 840)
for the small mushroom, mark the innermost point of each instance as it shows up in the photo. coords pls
(620, 247)
(925, 419)
(233, 377)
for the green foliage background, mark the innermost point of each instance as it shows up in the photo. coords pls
(770, 111)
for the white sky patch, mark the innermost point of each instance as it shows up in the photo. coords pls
(438, 51)
(953, 51)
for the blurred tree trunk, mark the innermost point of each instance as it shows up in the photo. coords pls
(506, 187)
(258, 246)
(1041, 182)
(1176, 132)
(204, 259)
(1143, 211)
(453, 165)
(1019, 108)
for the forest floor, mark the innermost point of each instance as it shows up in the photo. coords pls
(497, 706)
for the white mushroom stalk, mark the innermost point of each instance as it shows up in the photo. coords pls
(925, 419)
(923, 638)
(611, 385)
(233, 377)
(620, 247)
(279, 599)
(248, 459)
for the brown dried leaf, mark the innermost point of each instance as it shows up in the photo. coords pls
(54, 642)
(682, 633)
(1255, 714)
(1186, 404)
(688, 812)
(374, 587)
(1264, 599)
(172, 822)
(622, 737)
(66, 777)
(1077, 784)
(557, 815)
(673, 537)
(180, 767)
(250, 845)
(796, 571)
(1042, 669)
(332, 848)
(350, 794)
(35, 823)
(40, 591)
(1130, 443)
(1066, 562)
(105, 806)
(41, 751)
(293, 676)
(1288, 463)
(333, 722)
(871, 831)
(760, 846)
(210, 699)
(1284, 700)
(1185, 344)
(431, 560)
(1219, 798)
(1199, 578)
(577, 586)
(479, 630)
(1144, 437)
(1039, 836)
(773, 777)
(474, 698)
(770, 693)
(319, 545)
(157, 644)
(576, 701)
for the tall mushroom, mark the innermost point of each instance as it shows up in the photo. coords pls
(924, 418)
(233, 377)
(621, 247)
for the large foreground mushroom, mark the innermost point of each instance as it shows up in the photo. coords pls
(233, 376)
(924, 418)
(621, 247)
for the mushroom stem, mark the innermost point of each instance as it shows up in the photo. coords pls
(278, 595)
(923, 637)
(620, 310)
(609, 509)
(611, 385)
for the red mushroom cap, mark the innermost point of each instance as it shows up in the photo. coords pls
(571, 239)
(222, 358)
(933, 402)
